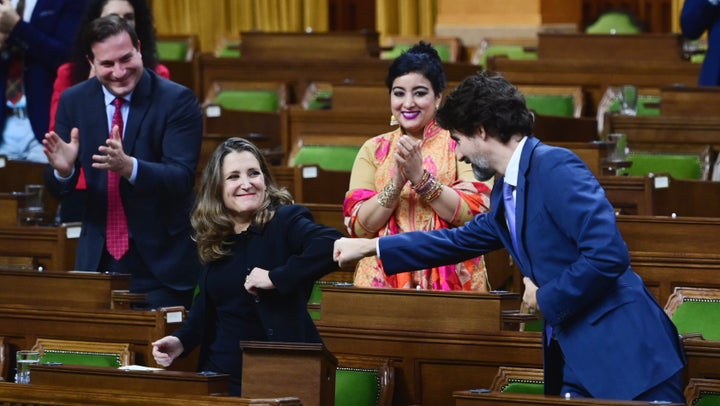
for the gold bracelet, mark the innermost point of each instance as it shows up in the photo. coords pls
(433, 193)
(387, 196)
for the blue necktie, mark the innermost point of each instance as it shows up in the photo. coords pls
(510, 211)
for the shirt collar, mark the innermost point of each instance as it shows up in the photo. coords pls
(109, 97)
(513, 167)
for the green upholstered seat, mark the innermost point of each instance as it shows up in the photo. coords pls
(613, 22)
(510, 51)
(519, 380)
(696, 315)
(356, 386)
(319, 100)
(328, 157)
(248, 100)
(708, 399)
(551, 104)
(230, 49)
(82, 358)
(172, 50)
(679, 166)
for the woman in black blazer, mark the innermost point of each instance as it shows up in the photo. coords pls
(262, 255)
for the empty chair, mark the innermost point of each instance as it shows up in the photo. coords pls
(679, 166)
(519, 380)
(614, 22)
(695, 311)
(703, 392)
(364, 381)
(84, 352)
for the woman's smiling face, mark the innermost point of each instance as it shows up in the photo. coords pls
(413, 102)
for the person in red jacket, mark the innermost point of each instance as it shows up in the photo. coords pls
(78, 69)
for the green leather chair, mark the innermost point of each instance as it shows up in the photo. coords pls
(248, 100)
(510, 51)
(89, 353)
(614, 22)
(519, 380)
(551, 104)
(172, 50)
(695, 311)
(363, 384)
(679, 166)
(703, 392)
(648, 105)
(328, 157)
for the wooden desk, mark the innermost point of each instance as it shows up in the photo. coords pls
(21, 325)
(669, 252)
(676, 134)
(46, 395)
(439, 342)
(467, 398)
(314, 45)
(60, 289)
(54, 248)
(169, 382)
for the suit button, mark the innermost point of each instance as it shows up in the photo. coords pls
(257, 299)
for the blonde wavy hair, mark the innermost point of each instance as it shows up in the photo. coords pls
(211, 220)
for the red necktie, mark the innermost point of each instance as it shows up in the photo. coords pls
(14, 87)
(117, 229)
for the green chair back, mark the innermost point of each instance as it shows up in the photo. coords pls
(248, 100)
(328, 157)
(511, 51)
(524, 386)
(551, 104)
(648, 105)
(356, 387)
(697, 315)
(231, 49)
(613, 23)
(172, 50)
(81, 358)
(679, 166)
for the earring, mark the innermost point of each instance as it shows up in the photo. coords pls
(393, 120)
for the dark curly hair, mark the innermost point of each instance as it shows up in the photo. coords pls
(423, 59)
(486, 101)
(144, 27)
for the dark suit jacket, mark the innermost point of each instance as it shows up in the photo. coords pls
(613, 333)
(698, 16)
(47, 40)
(296, 251)
(163, 132)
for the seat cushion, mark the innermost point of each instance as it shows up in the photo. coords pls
(551, 104)
(523, 386)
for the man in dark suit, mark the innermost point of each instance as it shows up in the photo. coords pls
(40, 37)
(152, 163)
(605, 336)
(696, 18)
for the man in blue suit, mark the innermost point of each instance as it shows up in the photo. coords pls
(605, 336)
(155, 159)
(41, 37)
(697, 17)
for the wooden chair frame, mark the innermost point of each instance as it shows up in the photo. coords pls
(698, 387)
(386, 373)
(507, 375)
(121, 350)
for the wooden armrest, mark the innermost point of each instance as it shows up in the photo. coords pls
(691, 336)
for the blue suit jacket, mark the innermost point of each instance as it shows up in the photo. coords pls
(163, 132)
(47, 40)
(698, 16)
(613, 333)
